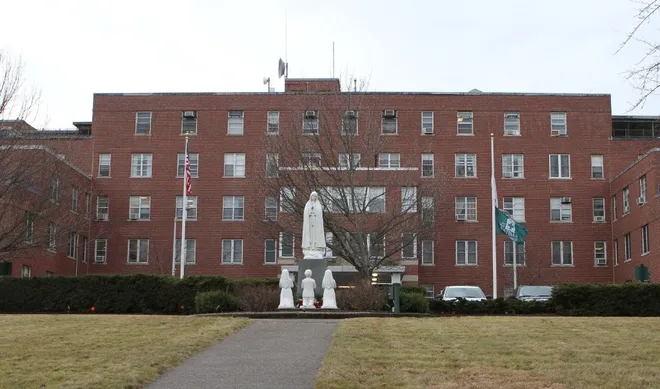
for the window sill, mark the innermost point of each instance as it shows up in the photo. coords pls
(189, 134)
(645, 254)
(427, 264)
(511, 265)
(428, 134)
(188, 220)
(270, 263)
(140, 177)
(625, 214)
(272, 133)
(560, 178)
(467, 265)
(466, 178)
(50, 250)
(561, 222)
(228, 134)
(562, 265)
(598, 178)
(457, 134)
(513, 135)
(103, 177)
(559, 136)
(627, 260)
(310, 133)
(138, 220)
(190, 176)
(601, 266)
(100, 263)
(389, 134)
(427, 177)
(642, 204)
(233, 220)
(136, 134)
(232, 263)
(71, 258)
(513, 178)
(599, 222)
(137, 263)
(187, 263)
(466, 221)
(236, 177)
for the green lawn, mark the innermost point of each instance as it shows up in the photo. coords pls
(494, 353)
(99, 351)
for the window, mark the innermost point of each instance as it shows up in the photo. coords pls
(286, 244)
(616, 252)
(597, 166)
(270, 251)
(376, 244)
(142, 123)
(600, 253)
(88, 203)
(271, 207)
(84, 249)
(235, 165)
(181, 164)
(376, 199)
(514, 206)
(389, 122)
(104, 165)
(232, 207)
(562, 253)
(102, 208)
(428, 210)
(645, 240)
(26, 271)
(29, 226)
(235, 123)
(409, 245)
(389, 160)
(427, 122)
(72, 247)
(466, 165)
(642, 190)
(54, 190)
(508, 253)
(464, 123)
(191, 207)
(349, 124)
(561, 209)
(614, 207)
(466, 208)
(191, 247)
(310, 160)
(626, 201)
(141, 165)
(287, 199)
(311, 122)
(272, 168)
(189, 122)
(140, 208)
(138, 251)
(512, 123)
(466, 252)
(74, 199)
(52, 236)
(409, 199)
(560, 166)
(627, 247)
(513, 166)
(428, 255)
(428, 169)
(430, 293)
(349, 161)
(100, 250)
(599, 209)
(273, 127)
(558, 123)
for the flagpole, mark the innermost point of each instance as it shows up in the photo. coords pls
(493, 205)
(174, 248)
(515, 266)
(184, 216)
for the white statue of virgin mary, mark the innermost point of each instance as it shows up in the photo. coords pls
(313, 237)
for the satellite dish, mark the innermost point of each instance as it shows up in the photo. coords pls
(266, 80)
(281, 68)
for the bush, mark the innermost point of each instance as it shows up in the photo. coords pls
(216, 301)
(413, 289)
(497, 306)
(630, 299)
(258, 298)
(413, 302)
(362, 296)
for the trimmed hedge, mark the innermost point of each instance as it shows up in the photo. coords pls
(630, 299)
(413, 302)
(139, 293)
(216, 301)
(497, 306)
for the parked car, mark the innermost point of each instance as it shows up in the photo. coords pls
(533, 293)
(467, 292)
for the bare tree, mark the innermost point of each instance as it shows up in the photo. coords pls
(378, 208)
(17, 100)
(645, 74)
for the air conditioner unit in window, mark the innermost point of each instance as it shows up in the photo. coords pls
(508, 175)
(310, 114)
(428, 130)
(460, 216)
(599, 218)
(389, 113)
(555, 133)
(641, 201)
(102, 216)
(133, 217)
(565, 200)
(189, 114)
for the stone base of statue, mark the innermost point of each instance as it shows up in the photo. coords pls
(317, 266)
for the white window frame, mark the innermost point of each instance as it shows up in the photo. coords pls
(281, 245)
(514, 206)
(508, 253)
(642, 189)
(311, 160)
(558, 124)
(513, 166)
(561, 253)
(597, 161)
(191, 208)
(646, 248)
(181, 165)
(137, 204)
(616, 252)
(626, 200)
(88, 202)
(55, 190)
(600, 259)
(614, 210)
(512, 123)
(383, 119)
(408, 199)
(287, 204)
(104, 257)
(235, 122)
(29, 226)
(349, 161)
(427, 123)
(100, 208)
(389, 160)
(75, 194)
(235, 163)
(463, 119)
(272, 207)
(233, 260)
(425, 248)
(428, 161)
(141, 165)
(272, 251)
(428, 209)
(273, 123)
(465, 161)
(465, 208)
(344, 120)
(52, 237)
(560, 172)
(72, 246)
(105, 159)
(237, 205)
(412, 246)
(140, 121)
(310, 125)
(627, 249)
(272, 165)
(466, 244)
(26, 271)
(189, 124)
(191, 251)
(565, 210)
(595, 212)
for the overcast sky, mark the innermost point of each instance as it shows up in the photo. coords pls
(73, 49)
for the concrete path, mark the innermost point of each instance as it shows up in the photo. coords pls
(272, 354)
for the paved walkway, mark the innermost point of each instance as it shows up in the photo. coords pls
(272, 354)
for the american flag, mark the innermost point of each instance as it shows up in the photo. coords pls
(188, 180)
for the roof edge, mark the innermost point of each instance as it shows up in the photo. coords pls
(640, 159)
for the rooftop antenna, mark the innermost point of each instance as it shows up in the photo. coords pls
(267, 81)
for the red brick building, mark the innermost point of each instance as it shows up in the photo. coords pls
(556, 159)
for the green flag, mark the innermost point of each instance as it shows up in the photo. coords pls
(506, 225)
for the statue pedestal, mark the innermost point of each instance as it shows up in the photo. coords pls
(317, 266)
